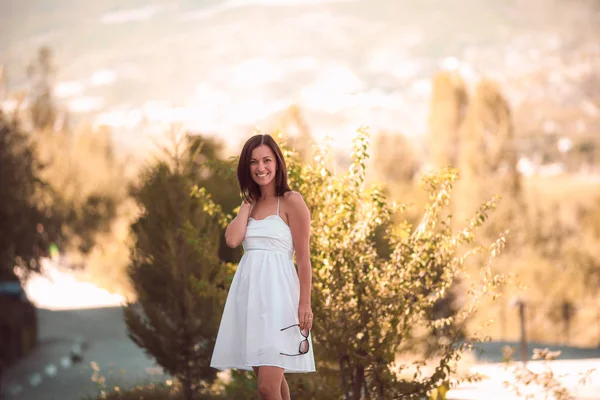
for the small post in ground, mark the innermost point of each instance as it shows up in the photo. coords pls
(524, 353)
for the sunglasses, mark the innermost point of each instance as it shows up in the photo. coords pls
(304, 345)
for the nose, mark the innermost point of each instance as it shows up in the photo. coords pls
(261, 166)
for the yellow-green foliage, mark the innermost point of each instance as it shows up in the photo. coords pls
(369, 306)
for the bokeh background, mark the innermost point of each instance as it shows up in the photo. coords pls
(507, 92)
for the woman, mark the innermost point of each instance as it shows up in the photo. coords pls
(267, 318)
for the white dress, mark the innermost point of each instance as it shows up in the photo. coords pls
(262, 300)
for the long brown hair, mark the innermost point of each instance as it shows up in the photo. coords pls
(250, 189)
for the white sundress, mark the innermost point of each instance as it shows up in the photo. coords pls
(262, 300)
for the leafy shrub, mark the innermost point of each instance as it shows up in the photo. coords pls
(372, 307)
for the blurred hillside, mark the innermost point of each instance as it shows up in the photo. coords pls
(224, 66)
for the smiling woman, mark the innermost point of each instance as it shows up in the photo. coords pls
(261, 156)
(267, 318)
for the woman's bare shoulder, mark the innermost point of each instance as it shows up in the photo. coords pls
(294, 202)
(293, 197)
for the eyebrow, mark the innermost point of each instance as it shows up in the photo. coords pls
(263, 158)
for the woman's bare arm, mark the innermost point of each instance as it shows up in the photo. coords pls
(236, 230)
(299, 221)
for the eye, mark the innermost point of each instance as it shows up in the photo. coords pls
(252, 162)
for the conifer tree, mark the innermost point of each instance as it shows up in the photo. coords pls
(27, 226)
(396, 158)
(41, 73)
(176, 273)
(27, 222)
(488, 156)
(448, 103)
(295, 130)
(217, 175)
(2, 83)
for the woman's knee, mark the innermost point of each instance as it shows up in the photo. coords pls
(268, 389)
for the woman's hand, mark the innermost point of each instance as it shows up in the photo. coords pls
(236, 230)
(305, 316)
(245, 209)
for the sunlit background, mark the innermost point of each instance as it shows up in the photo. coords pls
(223, 67)
(124, 72)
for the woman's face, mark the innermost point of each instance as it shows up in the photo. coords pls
(263, 165)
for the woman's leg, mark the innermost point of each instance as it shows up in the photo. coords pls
(270, 383)
(285, 389)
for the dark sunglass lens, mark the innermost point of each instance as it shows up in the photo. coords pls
(304, 347)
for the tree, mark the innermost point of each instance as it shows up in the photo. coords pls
(27, 227)
(488, 164)
(28, 223)
(176, 273)
(448, 105)
(88, 180)
(488, 154)
(217, 176)
(383, 301)
(41, 73)
(395, 158)
(2, 84)
(295, 129)
(85, 182)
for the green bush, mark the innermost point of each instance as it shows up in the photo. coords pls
(374, 308)
(176, 274)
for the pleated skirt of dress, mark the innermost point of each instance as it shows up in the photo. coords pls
(262, 300)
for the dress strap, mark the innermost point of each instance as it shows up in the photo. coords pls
(278, 205)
